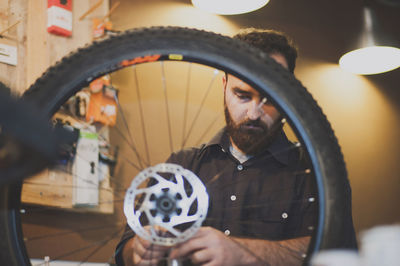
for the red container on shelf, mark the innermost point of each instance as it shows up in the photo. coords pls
(59, 17)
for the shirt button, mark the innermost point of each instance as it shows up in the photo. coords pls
(284, 215)
(233, 198)
(227, 232)
(240, 167)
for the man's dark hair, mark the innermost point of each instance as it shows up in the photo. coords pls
(270, 41)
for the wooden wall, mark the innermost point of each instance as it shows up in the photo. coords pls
(37, 49)
(12, 11)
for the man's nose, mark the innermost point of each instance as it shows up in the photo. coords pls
(255, 110)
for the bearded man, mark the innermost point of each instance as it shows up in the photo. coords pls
(263, 207)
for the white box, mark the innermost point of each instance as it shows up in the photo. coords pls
(85, 170)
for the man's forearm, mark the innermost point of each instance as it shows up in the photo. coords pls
(265, 252)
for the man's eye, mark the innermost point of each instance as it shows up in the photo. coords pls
(243, 96)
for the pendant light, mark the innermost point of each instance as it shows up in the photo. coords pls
(375, 52)
(229, 7)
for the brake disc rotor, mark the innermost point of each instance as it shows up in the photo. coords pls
(166, 204)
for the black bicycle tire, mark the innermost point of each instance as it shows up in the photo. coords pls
(60, 82)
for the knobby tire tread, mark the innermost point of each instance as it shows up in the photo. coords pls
(55, 86)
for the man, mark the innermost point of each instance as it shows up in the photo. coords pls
(262, 197)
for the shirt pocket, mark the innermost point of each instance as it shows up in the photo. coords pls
(267, 222)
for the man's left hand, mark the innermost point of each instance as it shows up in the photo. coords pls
(212, 247)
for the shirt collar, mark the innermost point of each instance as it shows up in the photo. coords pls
(279, 147)
(221, 139)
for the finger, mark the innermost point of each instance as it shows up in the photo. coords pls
(201, 257)
(147, 250)
(201, 233)
(137, 247)
(150, 254)
(211, 263)
(149, 245)
(188, 247)
(158, 254)
(141, 246)
(199, 241)
(147, 262)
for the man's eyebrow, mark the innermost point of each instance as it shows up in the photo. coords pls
(241, 91)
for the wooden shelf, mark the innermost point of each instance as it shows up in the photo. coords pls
(54, 188)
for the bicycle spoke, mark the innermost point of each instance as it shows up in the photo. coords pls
(201, 106)
(132, 143)
(89, 182)
(73, 186)
(107, 175)
(98, 248)
(163, 79)
(27, 210)
(251, 252)
(111, 178)
(141, 116)
(72, 252)
(207, 130)
(185, 108)
(257, 206)
(236, 182)
(80, 230)
(217, 176)
(94, 186)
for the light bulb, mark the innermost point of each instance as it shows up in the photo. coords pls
(229, 7)
(371, 60)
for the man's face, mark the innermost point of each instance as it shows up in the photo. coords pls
(251, 123)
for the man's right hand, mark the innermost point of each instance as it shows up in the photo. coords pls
(138, 251)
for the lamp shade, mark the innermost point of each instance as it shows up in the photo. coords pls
(375, 52)
(229, 7)
(371, 60)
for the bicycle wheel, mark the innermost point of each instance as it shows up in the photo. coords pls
(159, 113)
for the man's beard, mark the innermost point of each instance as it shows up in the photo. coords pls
(251, 141)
